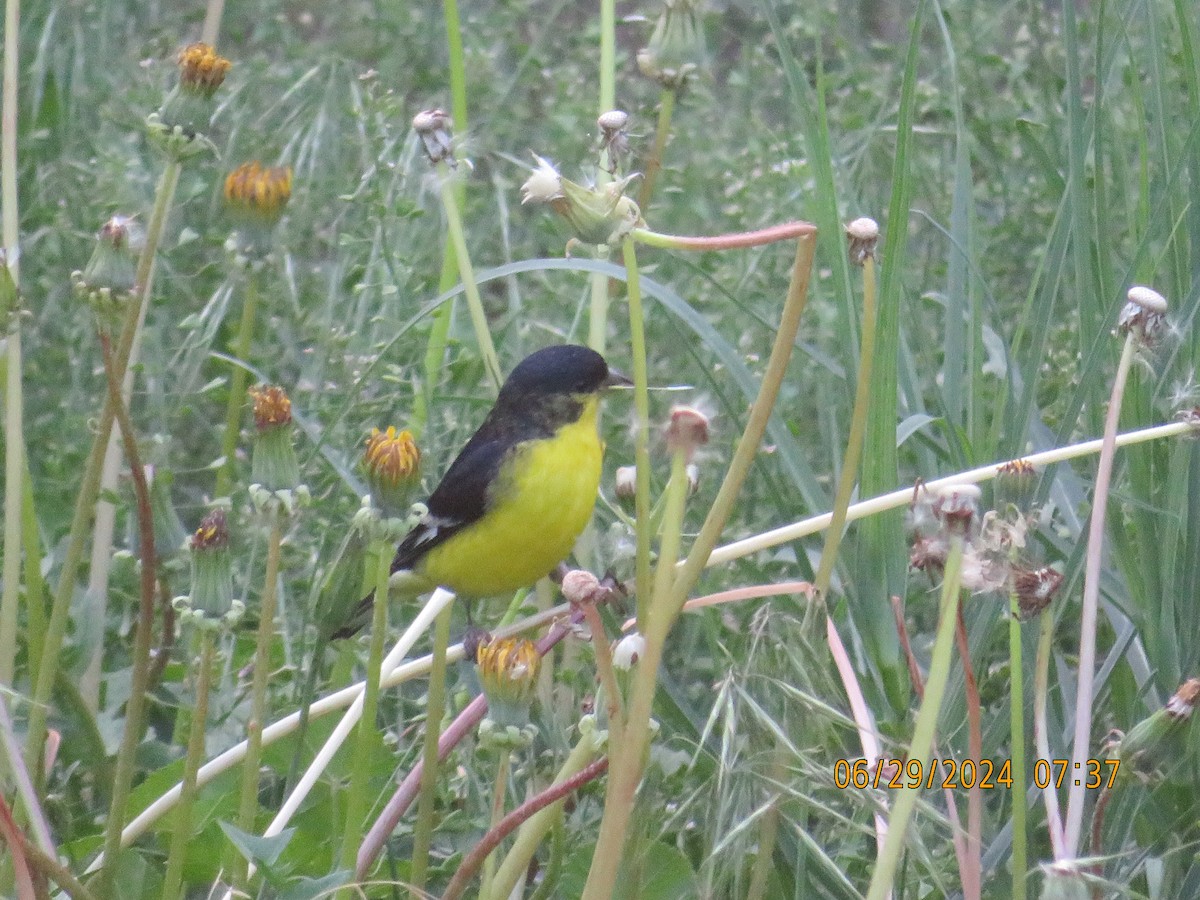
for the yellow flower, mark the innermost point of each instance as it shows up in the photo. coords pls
(259, 193)
(391, 462)
(508, 670)
(201, 70)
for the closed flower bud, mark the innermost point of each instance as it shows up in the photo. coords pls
(687, 429)
(1015, 482)
(169, 534)
(598, 216)
(273, 463)
(508, 671)
(676, 49)
(391, 463)
(1153, 741)
(433, 128)
(581, 586)
(626, 482)
(627, 651)
(862, 234)
(108, 279)
(1144, 315)
(211, 598)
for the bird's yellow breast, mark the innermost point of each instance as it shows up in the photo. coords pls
(542, 500)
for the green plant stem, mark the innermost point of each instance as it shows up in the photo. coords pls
(248, 801)
(666, 108)
(735, 241)
(641, 433)
(854, 442)
(55, 871)
(435, 707)
(972, 873)
(466, 272)
(499, 789)
(89, 487)
(601, 294)
(926, 725)
(1020, 863)
(1041, 736)
(627, 760)
(1077, 792)
(173, 881)
(237, 389)
(672, 532)
(615, 706)
(768, 828)
(534, 829)
(14, 414)
(135, 708)
(356, 802)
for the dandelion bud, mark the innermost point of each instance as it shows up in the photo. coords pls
(687, 429)
(676, 49)
(273, 464)
(1152, 740)
(627, 651)
(1015, 482)
(433, 127)
(626, 482)
(108, 279)
(188, 108)
(863, 234)
(169, 534)
(1144, 315)
(581, 586)
(598, 216)
(255, 198)
(392, 463)
(508, 670)
(212, 569)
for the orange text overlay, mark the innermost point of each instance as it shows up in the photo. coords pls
(986, 774)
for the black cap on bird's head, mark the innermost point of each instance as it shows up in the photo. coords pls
(562, 369)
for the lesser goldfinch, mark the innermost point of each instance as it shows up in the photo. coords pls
(518, 495)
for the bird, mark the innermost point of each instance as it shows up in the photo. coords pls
(513, 502)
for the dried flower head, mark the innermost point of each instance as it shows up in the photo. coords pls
(272, 407)
(614, 139)
(201, 69)
(508, 670)
(956, 506)
(1184, 700)
(599, 216)
(581, 586)
(391, 462)
(1144, 315)
(433, 127)
(863, 234)
(687, 430)
(1035, 588)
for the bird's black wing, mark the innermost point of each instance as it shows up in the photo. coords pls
(460, 499)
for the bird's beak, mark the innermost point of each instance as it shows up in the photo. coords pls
(616, 379)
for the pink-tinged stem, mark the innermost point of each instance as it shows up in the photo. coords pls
(406, 793)
(788, 231)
